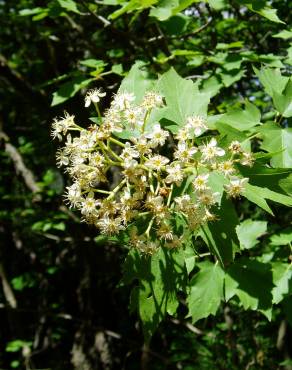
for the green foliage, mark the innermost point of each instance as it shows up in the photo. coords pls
(249, 231)
(229, 61)
(206, 291)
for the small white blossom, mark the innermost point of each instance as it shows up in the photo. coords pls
(73, 195)
(152, 100)
(235, 147)
(133, 117)
(129, 152)
(236, 186)
(123, 100)
(157, 162)
(201, 182)
(175, 174)
(196, 125)
(62, 158)
(183, 134)
(88, 205)
(211, 150)
(93, 96)
(227, 167)
(110, 226)
(247, 159)
(157, 136)
(62, 125)
(183, 152)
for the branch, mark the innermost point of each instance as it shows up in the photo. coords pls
(185, 36)
(18, 162)
(100, 19)
(18, 81)
(7, 290)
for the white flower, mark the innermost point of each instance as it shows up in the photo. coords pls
(208, 198)
(129, 152)
(235, 147)
(96, 160)
(88, 205)
(196, 125)
(175, 174)
(165, 231)
(183, 202)
(247, 159)
(110, 226)
(122, 100)
(62, 159)
(86, 140)
(61, 126)
(154, 204)
(210, 151)
(133, 116)
(200, 182)
(236, 186)
(93, 96)
(157, 162)
(152, 100)
(226, 167)
(73, 195)
(141, 144)
(183, 134)
(183, 152)
(157, 136)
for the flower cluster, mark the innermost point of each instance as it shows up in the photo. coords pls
(160, 177)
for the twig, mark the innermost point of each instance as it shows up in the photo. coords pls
(185, 36)
(101, 19)
(7, 290)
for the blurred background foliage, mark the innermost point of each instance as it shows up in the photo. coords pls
(62, 305)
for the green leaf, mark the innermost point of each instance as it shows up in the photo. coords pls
(272, 80)
(242, 120)
(69, 89)
(220, 236)
(132, 5)
(260, 7)
(160, 277)
(217, 4)
(206, 291)
(94, 63)
(283, 102)
(249, 231)
(259, 195)
(229, 77)
(69, 5)
(253, 194)
(137, 81)
(244, 273)
(285, 35)
(183, 98)
(34, 11)
(276, 179)
(282, 279)
(284, 238)
(167, 8)
(276, 139)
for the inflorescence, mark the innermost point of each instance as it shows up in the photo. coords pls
(161, 176)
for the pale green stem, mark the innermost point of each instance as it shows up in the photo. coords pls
(147, 232)
(101, 191)
(109, 149)
(170, 195)
(115, 141)
(145, 119)
(97, 110)
(116, 189)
